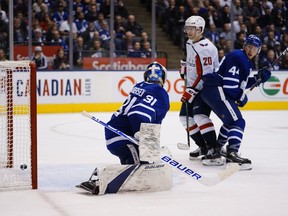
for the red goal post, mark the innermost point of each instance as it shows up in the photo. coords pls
(18, 125)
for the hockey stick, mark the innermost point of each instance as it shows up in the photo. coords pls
(195, 175)
(184, 146)
(272, 65)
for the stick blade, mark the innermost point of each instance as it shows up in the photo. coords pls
(231, 169)
(183, 146)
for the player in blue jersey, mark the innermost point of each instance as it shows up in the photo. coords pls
(224, 92)
(148, 102)
(140, 116)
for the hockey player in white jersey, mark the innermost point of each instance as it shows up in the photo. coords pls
(201, 59)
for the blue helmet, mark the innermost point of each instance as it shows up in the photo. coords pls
(254, 40)
(155, 73)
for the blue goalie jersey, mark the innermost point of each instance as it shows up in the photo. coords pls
(147, 103)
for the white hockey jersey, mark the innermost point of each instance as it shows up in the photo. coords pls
(202, 59)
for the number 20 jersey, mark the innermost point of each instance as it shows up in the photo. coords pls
(202, 59)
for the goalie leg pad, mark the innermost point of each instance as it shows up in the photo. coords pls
(149, 142)
(143, 178)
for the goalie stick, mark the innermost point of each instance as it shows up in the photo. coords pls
(180, 167)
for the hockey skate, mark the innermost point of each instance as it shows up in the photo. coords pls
(233, 157)
(197, 153)
(91, 186)
(213, 158)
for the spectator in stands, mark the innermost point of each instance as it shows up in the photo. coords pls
(39, 58)
(279, 14)
(240, 40)
(127, 43)
(64, 29)
(46, 23)
(179, 21)
(237, 9)
(58, 41)
(60, 15)
(38, 37)
(226, 14)
(237, 23)
(3, 34)
(99, 21)
(267, 62)
(263, 53)
(78, 53)
(105, 35)
(3, 15)
(20, 34)
(251, 25)
(37, 6)
(120, 9)
(270, 40)
(41, 14)
(212, 34)
(221, 54)
(105, 9)
(284, 41)
(81, 23)
(284, 63)
(226, 33)
(133, 26)
(2, 55)
(277, 49)
(92, 14)
(136, 52)
(119, 31)
(250, 10)
(144, 38)
(266, 19)
(61, 61)
(147, 49)
(97, 50)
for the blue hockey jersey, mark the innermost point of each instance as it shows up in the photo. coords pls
(233, 74)
(147, 103)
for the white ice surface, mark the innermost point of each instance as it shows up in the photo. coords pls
(70, 146)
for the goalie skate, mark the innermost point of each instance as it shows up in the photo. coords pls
(92, 186)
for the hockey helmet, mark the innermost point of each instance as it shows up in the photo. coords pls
(255, 41)
(195, 21)
(155, 73)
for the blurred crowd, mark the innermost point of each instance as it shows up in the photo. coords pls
(91, 28)
(228, 22)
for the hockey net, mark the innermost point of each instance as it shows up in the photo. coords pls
(18, 125)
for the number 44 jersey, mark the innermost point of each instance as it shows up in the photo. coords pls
(146, 103)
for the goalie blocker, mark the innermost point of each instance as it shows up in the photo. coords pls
(148, 176)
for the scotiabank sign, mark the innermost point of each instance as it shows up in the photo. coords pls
(119, 63)
(21, 53)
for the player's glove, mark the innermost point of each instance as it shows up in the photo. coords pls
(263, 74)
(242, 100)
(182, 69)
(188, 95)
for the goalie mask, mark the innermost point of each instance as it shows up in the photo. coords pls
(155, 73)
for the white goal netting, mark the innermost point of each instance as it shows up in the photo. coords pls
(16, 125)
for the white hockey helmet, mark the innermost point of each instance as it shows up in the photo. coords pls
(195, 21)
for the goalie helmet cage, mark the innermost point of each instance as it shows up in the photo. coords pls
(18, 125)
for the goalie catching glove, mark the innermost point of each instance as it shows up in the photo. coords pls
(188, 95)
